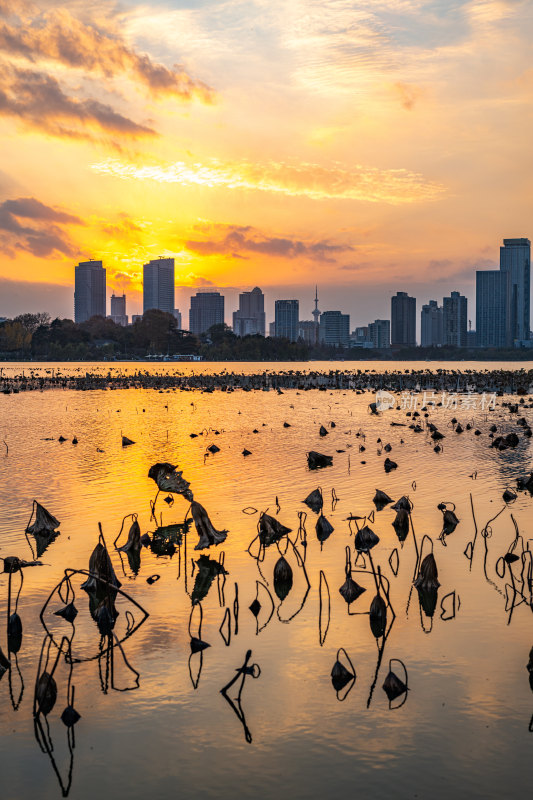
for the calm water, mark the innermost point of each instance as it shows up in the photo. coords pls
(464, 728)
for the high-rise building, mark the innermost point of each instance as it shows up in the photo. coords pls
(334, 329)
(431, 325)
(286, 319)
(250, 318)
(379, 333)
(158, 285)
(177, 317)
(492, 308)
(403, 320)
(118, 309)
(515, 259)
(207, 309)
(455, 317)
(307, 331)
(89, 290)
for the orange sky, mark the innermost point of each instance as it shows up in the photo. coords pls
(368, 146)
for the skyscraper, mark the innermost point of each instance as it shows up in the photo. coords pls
(286, 319)
(118, 309)
(515, 259)
(431, 325)
(455, 317)
(334, 329)
(207, 309)
(492, 308)
(379, 333)
(403, 320)
(89, 290)
(250, 318)
(158, 285)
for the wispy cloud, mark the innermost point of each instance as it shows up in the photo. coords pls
(43, 237)
(338, 182)
(234, 240)
(38, 101)
(60, 37)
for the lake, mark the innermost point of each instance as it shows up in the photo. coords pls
(153, 721)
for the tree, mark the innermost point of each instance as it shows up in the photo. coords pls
(30, 322)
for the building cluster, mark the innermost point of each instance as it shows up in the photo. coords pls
(502, 309)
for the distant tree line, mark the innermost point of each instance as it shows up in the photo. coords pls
(37, 337)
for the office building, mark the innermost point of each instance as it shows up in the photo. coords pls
(89, 290)
(118, 309)
(471, 339)
(158, 285)
(403, 320)
(272, 329)
(334, 329)
(379, 333)
(431, 325)
(286, 319)
(455, 320)
(307, 331)
(515, 259)
(360, 337)
(207, 309)
(492, 308)
(177, 317)
(249, 320)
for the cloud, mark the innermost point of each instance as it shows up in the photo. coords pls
(41, 239)
(293, 179)
(408, 94)
(37, 100)
(238, 239)
(30, 208)
(58, 36)
(122, 229)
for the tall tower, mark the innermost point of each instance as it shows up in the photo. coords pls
(89, 290)
(515, 260)
(158, 285)
(316, 316)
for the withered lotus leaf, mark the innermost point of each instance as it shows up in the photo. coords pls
(271, 530)
(283, 578)
(204, 527)
(393, 686)
(324, 528)
(350, 590)
(134, 539)
(44, 521)
(168, 479)
(340, 676)
(314, 500)
(46, 693)
(428, 574)
(378, 616)
(365, 539)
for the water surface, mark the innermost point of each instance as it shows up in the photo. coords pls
(464, 728)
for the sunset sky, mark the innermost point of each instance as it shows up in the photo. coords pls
(368, 146)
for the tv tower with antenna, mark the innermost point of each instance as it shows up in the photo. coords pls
(316, 315)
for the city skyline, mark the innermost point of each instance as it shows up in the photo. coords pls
(365, 154)
(502, 309)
